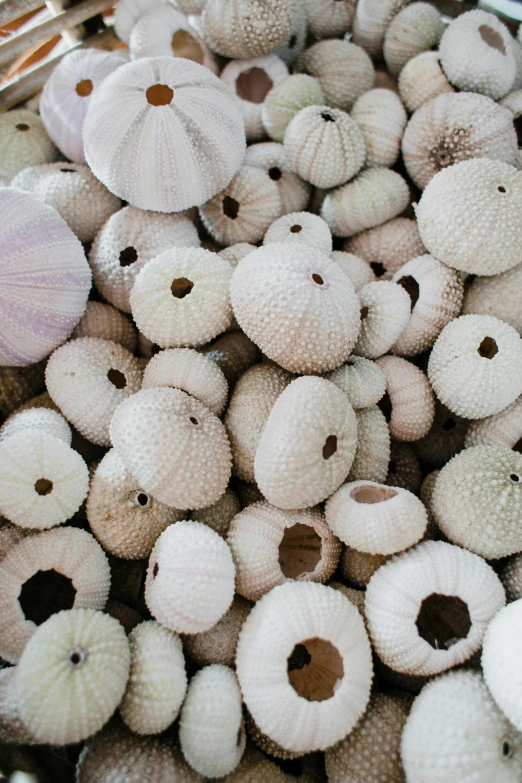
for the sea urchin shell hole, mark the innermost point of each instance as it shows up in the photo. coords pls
(253, 85)
(327, 117)
(275, 173)
(330, 446)
(448, 424)
(385, 405)
(296, 229)
(159, 95)
(501, 189)
(314, 669)
(195, 421)
(317, 279)
(68, 171)
(492, 38)
(43, 486)
(368, 494)
(77, 657)
(181, 287)
(128, 256)
(411, 287)
(443, 620)
(185, 45)
(488, 348)
(515, 478)
(117, 378)
(84, 88)
(378, 268)
(155, 570)
(142, 499)
(230, 207)
(299, 551)
(44, 594)
(507, 750)
(364, 313)
(22, 126)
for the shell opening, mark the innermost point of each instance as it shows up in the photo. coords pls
(117, 378)
(492, 38)
(515, 478)
(507, 750)
(487, 348)
(84, 88)
(369, 494)
(22, 126)
(518, 446)
(128, 256)
(315, 669)
(253, 85)
(230, 207)
(317, 279)
(142, 499)
(378, 268)
(43, 486)
(411, 287)
(299, 551)
(275, 173)
(443, 620)
(392, 466)
(194, 420)
(364, 313)
(44, 594)
(184, 45)
(68, 171)
(327, 117)
(292, 42)
(448, 425)
(385, 406)
(159, 95)
(295, 229)
(155, 571)
(330, 446)
(77, 657)
(181, 287)
(501, 189)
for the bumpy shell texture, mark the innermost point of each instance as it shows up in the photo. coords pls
(191, 123)
(500, 655)
(103, 320)
(246, 28)
(467, 216)
(23, 142)
(127, 13)
(385, 312)
(301, 227)
(410, 396)
(45, 279)
(294, 192)
(477, 500)
(49, 421)
(77, 657)
(503, 429)
(381, 118)
(286, 99)
(12, 728)
(428, 608)
(372, 17)
(361, 380)
(307, 445)
(387, 247)
(292, 709)
(421, 79)
(415, 29)
(218, 645)
(190, 579)
(353, 267)
(174, 446)
(373, 446)
(497, 296)
(324, 304)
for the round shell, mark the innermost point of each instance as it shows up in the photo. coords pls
(361, 380)
(373, 446)
(427, 609)
(271, 546)
(157, 680)
(475, 366)
(125, 519)
(182, 139)
(128, 12)
(477, 500)
(415, 29)
(500, 656)
(43, 301)
(174, 446)
(375, 196)
(477, 54)
(372, 18)
(294, 192)
(23, 142)
(497, 296)
(381, 118)
(301, 228)
(387, 247)
(359, 271)
(181, 297)
(220, 514)
(286, 99)
(357, 568)
(323, 302)
(408, 404)
(244, 210)
(308, 444)
(44, 419)
(85, 580)
(76, 657)
(102, 320)
(304, 666)
(324, 146)
(502, 429)
(68, 93)
(235, 253)
(422, 79)
(190, 578)
(374, 518)
(404, 469)
(329, 18)
(290, 50)
(88, 378)
(246, 28)
(43, 481)
(218, 644)
(385, 312)
(211, 730)
(234, 353)
(454, 127)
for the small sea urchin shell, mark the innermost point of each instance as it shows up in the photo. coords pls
(44, 419)
(211, 731)
(409, 403)
(422, 79)
(428, 608)
(286, 99)
(220, 514)
(174, 446)
(385, 312)
(194, 134)
(218, 644)
(190, 579)
(45, 279)
(67, 95)
(181, 297)
(294, 192)
(372, 18)
(387, 247)
(377, 519)
(381, 118)
(500, 656)
(324, 303)
(475, 366)
(23, 142)
(308, 444)
(79, 656)
(358, 568)
(300, 227)
(270, 546)
(128, 12)
(361, 380)
(353, 267)
(234, 353)
(103, 320)
(246, 28)
(415, 29)
(157, 680)
(307, 691)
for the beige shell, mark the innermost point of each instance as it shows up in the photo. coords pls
(387, 247)
(218, 644)
(373, 446)
(410, 396)
(385, 312)
(244, 210)
(445, 438)
(287, 98)
(404, 469)
(103, 320)
(361, 380)
(415, 29)
(44, 419)
(220, 514)
(358, 270)
(381, 118)
(246, 28)
(301, 227)
(271, 546)
(234, 353)
(497, 296)
(235, 253)
(250, 404)
(294, 192)
(422, 79)
(372, 18)
(502, 429)
(329, 18)
(358, 567)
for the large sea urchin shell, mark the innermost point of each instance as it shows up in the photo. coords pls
(23, 142)
(415, 29)
(421, 79)
(381, 118)
(500, 658)
(193, 126)
(246, 28)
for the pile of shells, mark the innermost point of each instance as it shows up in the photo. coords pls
(261, 394)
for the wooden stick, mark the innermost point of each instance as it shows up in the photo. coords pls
(14, 9)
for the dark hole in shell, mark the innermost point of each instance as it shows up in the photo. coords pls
(128, 256)
(44, 594)
(443, 620)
